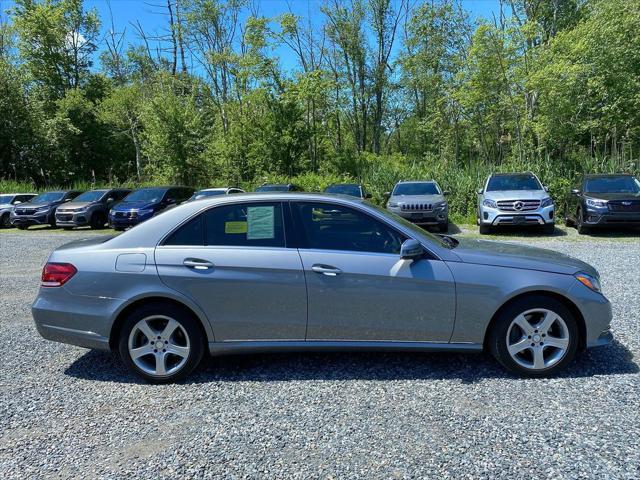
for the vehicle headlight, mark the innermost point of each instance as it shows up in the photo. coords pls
(592, 283)
(43, 209)
(80, 210)
(489, 203)
(546, 202)
(596, 203)
(145, 212)
(441, 205)
(392, 204)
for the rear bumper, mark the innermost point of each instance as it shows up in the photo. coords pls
(74, 319)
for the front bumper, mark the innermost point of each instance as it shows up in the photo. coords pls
(496, 217)
(426, 217)
(72, 219)
(130, 219)
(28, 220)
(598, 217)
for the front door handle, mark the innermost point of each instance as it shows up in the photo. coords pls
(197, 264)
(326, 270)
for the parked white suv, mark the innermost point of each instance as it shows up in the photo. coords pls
(516, 199)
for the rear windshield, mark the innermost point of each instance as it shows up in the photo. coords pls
(150, 195)
(622, 184)
(423, 188)
(91, 196)
(48, 197)
(273, 188)
(352, 190)
(513, 182)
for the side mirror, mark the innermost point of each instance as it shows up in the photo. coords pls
(546, 188)
(387, 194)
(411, 249)
(368, 195)
(446, 192)
(110, 199)
(170, 201)
(67, 200)
(17, 202)
(575, 191)
(480, 191)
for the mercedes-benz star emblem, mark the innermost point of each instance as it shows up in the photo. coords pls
(518, 205)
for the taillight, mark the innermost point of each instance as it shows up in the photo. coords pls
(57, 274)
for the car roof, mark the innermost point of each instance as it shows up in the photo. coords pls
(345, 185)
(606, 175)
(15, 194)
(510, 174)
(214, 189)
(416, 181)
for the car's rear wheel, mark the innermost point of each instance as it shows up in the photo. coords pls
(536, 336)
(580, 227)
(162, 344)
(5, 221)
(22, 227)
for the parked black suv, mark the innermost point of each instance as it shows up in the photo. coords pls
(41, 210)
(604, 200)
(279, 187)
(350, 189)
(91, 208)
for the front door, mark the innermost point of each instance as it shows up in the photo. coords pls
(358, 287)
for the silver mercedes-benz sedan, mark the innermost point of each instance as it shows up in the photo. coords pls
(291, 271)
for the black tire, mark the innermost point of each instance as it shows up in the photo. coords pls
(549, 229)
(580, 227)
(52, 222)
(187, 321)
(485, 229)
(118, 229)
(98, 221)
(497, 336)
(5, 221)
(67, 228)
(443, 227)
(22, 227)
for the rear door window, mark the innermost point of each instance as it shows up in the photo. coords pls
(246, 224)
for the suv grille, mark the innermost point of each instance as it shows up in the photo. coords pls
(25, 211)
(416, 207)
(625, 206)
(518, 205)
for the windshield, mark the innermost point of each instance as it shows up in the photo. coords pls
(5, 199)
(149, 195)
(423, 188)
(622, 184)
(91, 196)
(513, 182)
(273, 188)
(351, 190)
(207, 193)
(48, 197)
(412, 227)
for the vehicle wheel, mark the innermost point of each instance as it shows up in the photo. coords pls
(161, 343)
(22, 227)
(52, 223)
(549, 229)
(580, 227)
(118, 229)
(536, 336)
(97, 221)
(67, 228)
(443, 227)
(5, 221)
(485, 229)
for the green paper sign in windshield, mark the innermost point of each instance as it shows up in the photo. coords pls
(260, 223)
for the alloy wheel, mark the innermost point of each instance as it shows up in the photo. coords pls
(159, 345)
(538, 339)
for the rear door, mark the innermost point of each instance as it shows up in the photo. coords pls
(234, 262)
(358, 286)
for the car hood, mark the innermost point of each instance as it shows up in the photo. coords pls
(613, 196)
(503, 254)
(126, 206)
(35, 205)
(417, 198)
(517, 195)
(74, 205)
(6, 205)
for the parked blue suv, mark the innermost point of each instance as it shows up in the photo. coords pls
(143, 204)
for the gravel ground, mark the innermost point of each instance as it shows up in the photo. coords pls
(69, 412)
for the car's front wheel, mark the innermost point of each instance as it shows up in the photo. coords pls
(162, 344)
(535, 336)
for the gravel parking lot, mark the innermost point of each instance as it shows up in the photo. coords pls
(69, 412)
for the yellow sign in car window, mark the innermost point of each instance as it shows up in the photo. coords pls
(235, 227)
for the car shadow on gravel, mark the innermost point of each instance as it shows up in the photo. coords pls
(614, 359)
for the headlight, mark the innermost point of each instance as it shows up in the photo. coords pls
(392, 205)
(588, 281)
(546, 202)
(43, 209)
(489, 203)
(142, 213)
(441, 205)
(596, 203)
(80, 210)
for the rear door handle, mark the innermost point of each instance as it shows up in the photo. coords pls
(197, 264)
(326, 270)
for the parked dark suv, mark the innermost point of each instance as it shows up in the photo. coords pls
(91, 208)
(350, 189)
(279, 187)
(604, 200)
(41, 210)
(143, 204)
